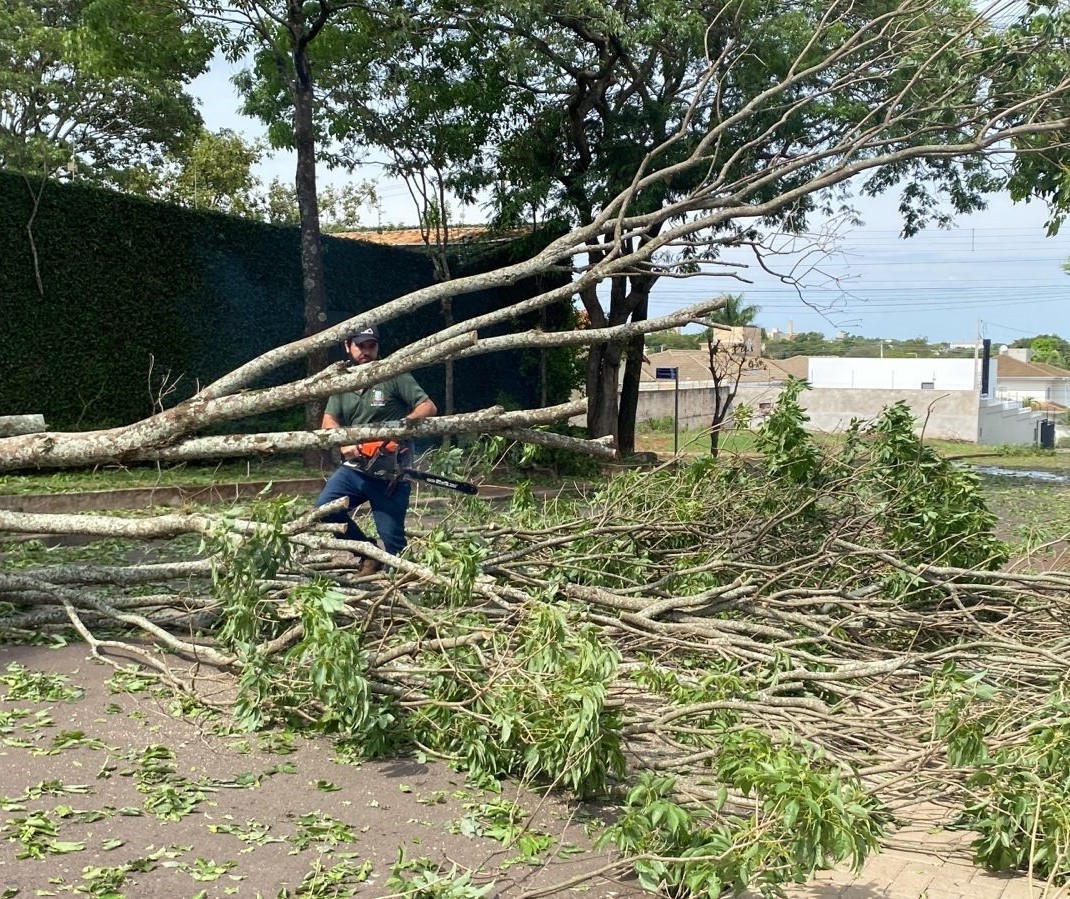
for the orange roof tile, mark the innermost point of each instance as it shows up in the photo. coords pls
(1009, 367)
(792, 367)
(413, 237)
(694, 365)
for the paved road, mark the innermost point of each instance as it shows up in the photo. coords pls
(924, 862)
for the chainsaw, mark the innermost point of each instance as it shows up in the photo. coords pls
(382, 459)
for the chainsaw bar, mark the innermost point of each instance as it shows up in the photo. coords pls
(394, 473)
(439, 480)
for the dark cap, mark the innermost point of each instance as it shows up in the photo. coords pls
(370, 333)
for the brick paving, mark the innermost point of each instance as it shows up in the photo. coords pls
(923, 861)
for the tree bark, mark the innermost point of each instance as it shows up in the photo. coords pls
(13, 425)
(603, 375)
(447, 385)
(312, 278)
(633, 369)
(602, 368)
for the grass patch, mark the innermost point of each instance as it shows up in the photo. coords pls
(113, 477)
(1003, 455)
(657, 437)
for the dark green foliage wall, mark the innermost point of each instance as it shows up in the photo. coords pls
(138, 299)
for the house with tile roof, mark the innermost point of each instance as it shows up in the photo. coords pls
(759, 386)
(1036, 383)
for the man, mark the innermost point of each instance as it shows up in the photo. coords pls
(394, 399)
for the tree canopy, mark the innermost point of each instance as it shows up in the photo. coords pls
(1049, 349)
(212, 171)
(96, 87)
(742, 119)
(656, 136)
(734, 312)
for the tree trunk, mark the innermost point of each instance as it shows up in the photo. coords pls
(715, 438)
(447, 387)
(609, 411)
(603, 375)
(601, 383)
(312, 278)
(543, 391)
(633, 368)
(722, 400)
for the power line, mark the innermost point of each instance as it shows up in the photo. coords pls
(921, 293)
(1031, 333)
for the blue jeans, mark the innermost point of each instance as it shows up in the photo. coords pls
(389, 506)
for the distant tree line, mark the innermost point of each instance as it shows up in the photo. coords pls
(1047, 349)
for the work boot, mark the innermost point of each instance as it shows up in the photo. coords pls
(369, 566)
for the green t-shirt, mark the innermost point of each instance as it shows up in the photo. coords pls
(391, 400)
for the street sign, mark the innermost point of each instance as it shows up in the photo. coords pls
(672, 374)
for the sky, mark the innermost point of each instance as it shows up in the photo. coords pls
(996, 274)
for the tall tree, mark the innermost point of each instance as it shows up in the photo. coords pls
(604, 84)
(1049, 349)
(429, 98)
(733, 313)
(340, 207)
(96, 87)
(784, 104)
(283, 37)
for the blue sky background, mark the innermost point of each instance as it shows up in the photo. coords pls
(995, 274)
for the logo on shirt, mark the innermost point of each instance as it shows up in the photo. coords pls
(378, 397)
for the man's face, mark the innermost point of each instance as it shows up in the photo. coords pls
(365, 351)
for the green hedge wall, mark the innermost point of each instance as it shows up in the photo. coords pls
(135, 295)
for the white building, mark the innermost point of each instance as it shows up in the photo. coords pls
(945, 395)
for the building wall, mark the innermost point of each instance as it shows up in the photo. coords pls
(898, 374)
(657, 400)
(1054, 390)
(953, 415)
(947, 415)
(660, 399)
(950, 410)
(1007, 423)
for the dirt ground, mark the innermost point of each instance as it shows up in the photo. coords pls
(94, 803)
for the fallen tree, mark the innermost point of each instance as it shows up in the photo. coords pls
(779, 653)
(920, 89)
